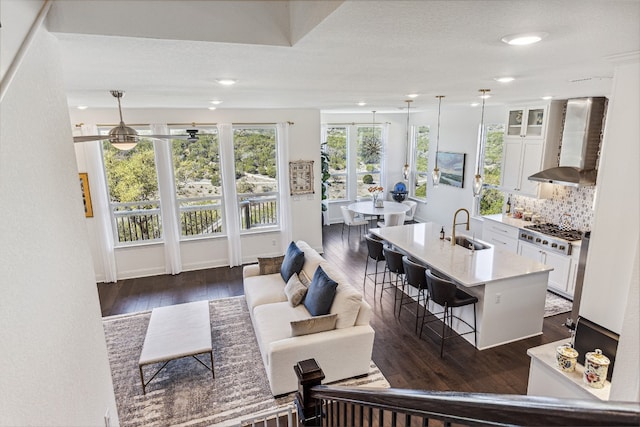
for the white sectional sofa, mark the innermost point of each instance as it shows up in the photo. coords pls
(343, 352)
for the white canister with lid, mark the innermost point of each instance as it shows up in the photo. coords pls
(596, 366)
(567, 357)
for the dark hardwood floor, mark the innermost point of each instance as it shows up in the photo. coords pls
(406, 360)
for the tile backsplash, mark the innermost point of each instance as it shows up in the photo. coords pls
(576, 202)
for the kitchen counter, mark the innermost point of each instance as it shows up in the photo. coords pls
(508, 220)
(511, 289)
(546, 379)
(468, 268)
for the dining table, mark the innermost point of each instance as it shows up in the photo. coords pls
(367, 208)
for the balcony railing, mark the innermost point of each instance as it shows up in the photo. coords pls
(137, 222)
(258, 211)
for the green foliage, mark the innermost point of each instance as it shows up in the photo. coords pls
(325, 175)
(421, 190)
(131, 175)
(367, 179)
(336, 148)
(491, 201)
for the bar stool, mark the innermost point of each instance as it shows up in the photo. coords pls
(394, 265)
(375, 248)
(416, 278)
(447, 295)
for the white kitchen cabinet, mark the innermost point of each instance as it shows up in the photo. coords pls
(559, 277)
(531, 144)
(500, 235)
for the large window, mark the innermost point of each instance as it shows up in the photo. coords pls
(421, 163)
(335, 147)
(133, 190)
(369, 155)
(355, 159)
(492, 199)
(198, 183)
(256, 175)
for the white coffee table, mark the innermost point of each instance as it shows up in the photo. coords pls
(174, 332)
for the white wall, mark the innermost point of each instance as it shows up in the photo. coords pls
(53, 351)
(458, 133)
(610, 294)
(304, 143)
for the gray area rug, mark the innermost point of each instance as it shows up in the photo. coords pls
(556, 304)
(184, 393)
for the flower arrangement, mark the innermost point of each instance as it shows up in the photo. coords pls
(375, 190)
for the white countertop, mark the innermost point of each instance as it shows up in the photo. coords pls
(468, 268)
(547, 355)
(508, 220)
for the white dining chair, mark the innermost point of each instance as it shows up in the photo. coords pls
(412, 209)
(351, 219)
(391, 219)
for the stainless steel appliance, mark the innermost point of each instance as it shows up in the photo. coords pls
(550, 236)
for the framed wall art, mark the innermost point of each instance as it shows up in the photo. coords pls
(86, 194)
(451, 168)
(301, 177)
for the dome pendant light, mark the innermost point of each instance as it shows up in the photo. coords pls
(405, 169)
(477, 182)
(436, 171)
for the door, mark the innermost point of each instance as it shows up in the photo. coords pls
(511, 165)
(531, 164)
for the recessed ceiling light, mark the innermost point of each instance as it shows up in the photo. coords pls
(524, 38)
(546, 98)
(485, 96)
(413, 95)
(212, 108)
(82, 107)
(475, 104)
(216, 102)
(227, 82)
(362, 103)
(504, 79)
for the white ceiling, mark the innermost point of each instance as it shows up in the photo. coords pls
(330, 55)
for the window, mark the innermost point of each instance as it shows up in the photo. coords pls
(369, 154)
(420, 163)
(198, 183)
(492, 199)
(336, 149)
(256, 175)
(133, 190)
(355, 159)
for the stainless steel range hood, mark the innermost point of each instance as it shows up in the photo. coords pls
(580, 144)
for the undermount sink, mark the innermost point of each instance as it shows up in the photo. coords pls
(468, 243)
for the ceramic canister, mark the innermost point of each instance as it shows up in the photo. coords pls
(596, 366)
(567, 357)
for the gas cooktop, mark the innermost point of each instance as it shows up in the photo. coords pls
(556, 231)
(550, 237)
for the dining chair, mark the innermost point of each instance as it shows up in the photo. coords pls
(412, 210)
(392, 219)
(351, 219)
(447, 295)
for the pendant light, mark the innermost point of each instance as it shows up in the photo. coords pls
(477, 182)
(405, 169)
(436, 171)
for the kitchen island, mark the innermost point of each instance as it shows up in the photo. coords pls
(511, 289)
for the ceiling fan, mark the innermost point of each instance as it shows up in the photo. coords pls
(125, 138)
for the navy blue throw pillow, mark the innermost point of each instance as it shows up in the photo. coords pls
(292, 262)
(321, 292)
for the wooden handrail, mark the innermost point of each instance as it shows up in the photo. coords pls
(338, 405)
(485, 408)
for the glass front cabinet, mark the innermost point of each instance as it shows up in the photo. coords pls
(526, 122)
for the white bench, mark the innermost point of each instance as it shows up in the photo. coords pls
(174, 332)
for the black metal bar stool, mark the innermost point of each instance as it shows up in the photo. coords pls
(394, 265)
(447, 295)
(375, 248)
(415, 277)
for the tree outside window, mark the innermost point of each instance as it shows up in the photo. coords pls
(492, 199)
(256, 175)
(421, 163)
(336, 150)
(369, 155)
(198, 183)
(133, 190)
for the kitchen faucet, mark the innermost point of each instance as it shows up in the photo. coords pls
(453, 229)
